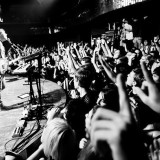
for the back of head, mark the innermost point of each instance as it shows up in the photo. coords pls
(84, 76)
(154, 54)
(123, 59)
(123, 68)
(54, 139)
(111, 98)
(75, 116)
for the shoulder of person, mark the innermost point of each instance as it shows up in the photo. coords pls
(127, 26)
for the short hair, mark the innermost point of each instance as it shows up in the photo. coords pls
(111, 98)
(54, 138)
(84, 76)
(139, 78)
(123, 59)
(123, 68)
(155, 54)
(75, 116)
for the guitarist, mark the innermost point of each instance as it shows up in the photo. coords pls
(4, 47)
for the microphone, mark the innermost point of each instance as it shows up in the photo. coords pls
(8, 39)
(13, 46)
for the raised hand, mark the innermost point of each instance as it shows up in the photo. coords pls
(107, 69)
(75, 45)
(82, 143)
(67, 50)
(154, 149)
(113, 128)
(152, 98)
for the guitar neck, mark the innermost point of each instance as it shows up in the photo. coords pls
(14, 60)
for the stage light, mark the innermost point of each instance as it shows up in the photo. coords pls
(123, 3)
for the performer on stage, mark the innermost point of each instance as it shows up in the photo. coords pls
(4, 47)
(5, 40)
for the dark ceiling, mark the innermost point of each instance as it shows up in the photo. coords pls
(34, 16)
(41, 11)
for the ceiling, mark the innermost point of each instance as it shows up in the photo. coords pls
(34, 16)
(40, 11)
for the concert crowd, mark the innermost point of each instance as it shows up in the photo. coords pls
(112, 87)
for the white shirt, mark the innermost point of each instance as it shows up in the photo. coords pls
(128, 31)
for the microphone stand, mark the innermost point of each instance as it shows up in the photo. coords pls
(35, 73)
(15, 47)
(38, 83)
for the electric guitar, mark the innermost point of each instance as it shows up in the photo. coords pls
(4, 64)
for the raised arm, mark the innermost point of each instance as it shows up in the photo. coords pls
(96, 51)
(117, 130)
(77, 52)
(152, 99)
(84, 52)
(106, 48)
(71, 64)
(107, 69)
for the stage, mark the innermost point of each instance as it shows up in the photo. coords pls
(17, 92)
(16, 95)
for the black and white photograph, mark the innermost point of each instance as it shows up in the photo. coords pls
(79, 80)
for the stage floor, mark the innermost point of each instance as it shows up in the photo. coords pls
(17, 92)
(14, 97)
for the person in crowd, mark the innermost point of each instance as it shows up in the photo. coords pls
(113, 97)
(75, 111)
(135, 78)
(156, 75)
(152, 98)
(110, 128)
(146, 46)
(58, 142)
(127, 32)
(137, 24)
(82, 82)
(88, 151)
(108, 98)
